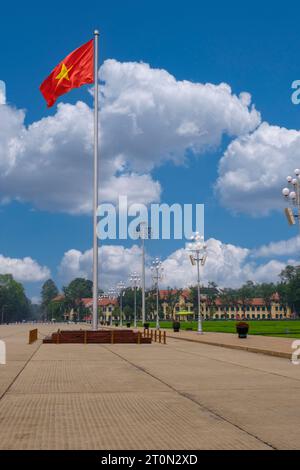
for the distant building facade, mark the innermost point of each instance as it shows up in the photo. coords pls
(255, 309)
(106, 308)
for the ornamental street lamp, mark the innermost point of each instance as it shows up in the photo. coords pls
(135, 281)
(121, 290)
(198, 249)
(292, 195)
(157, 275)
(112, 294)
(100, 297)
(144, 232)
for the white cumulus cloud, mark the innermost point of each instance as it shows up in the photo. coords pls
(254, 168)
(147, 117)
(116, 263)
(227, 265)
(24, 270)
(277, 249)
(2, 92)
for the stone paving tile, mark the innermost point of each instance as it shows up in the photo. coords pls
(83, 376)
(264, 403)
(269, 345)
(149, 420)
(272, 416)
(264, 363)
(190, 372)
(180, 395)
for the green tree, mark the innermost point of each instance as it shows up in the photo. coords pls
(212, 293)
(14, 305)
(228, 299)
(267, 290)
(78, 289)
(172, 298)
(290, 287)
(127, 313)
(48, 293)
(245, 295)
(150, 302)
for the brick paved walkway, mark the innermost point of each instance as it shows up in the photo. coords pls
(182, 395)
(271, 346)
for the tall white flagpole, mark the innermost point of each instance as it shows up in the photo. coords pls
(95, 201)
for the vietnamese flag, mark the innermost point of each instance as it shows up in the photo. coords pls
(75, 70)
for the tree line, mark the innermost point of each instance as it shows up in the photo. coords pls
(288, 289)
(14, 305)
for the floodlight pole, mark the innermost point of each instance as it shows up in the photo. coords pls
(157, 307)
(198, 248)
(157, 275)
(143, 281)
(200, 329)
(121, 289)
(121, 308)
(135, 280)
(95, 198)
(143, 228)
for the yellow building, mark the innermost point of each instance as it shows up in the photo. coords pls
(256, 309)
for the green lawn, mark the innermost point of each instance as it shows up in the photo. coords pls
(285, 328)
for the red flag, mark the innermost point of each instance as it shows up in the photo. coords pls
(75, 70)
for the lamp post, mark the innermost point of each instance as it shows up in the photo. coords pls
(198, 256)
(292, 195)
(112, 294)
(135, 281)
(121, 288)
(157, 275)
(101, 297)
(144, 232)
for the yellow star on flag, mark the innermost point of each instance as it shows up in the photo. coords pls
(64, 73)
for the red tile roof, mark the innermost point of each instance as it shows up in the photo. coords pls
(88, 302)
(165, 292)
(58, 298)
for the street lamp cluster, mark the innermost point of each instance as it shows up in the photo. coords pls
(197, 247)
(292, 195)
(197, 252)
(121, 291)
(135, 282)
(157, 271)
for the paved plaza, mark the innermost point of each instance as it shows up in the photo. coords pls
(183, 395)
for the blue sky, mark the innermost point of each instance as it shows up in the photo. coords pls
(253, 48)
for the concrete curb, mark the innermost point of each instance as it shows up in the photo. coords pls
(267, 352)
